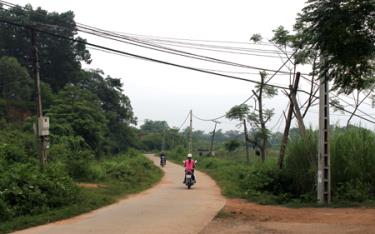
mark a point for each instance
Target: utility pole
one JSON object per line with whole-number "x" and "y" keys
{"x": 213, "y": 138}
{"x": 42, "y": 123}
{"x": 163, "y": 141}
{"x": 191, "y": 132}
{"x": 246, "y": 139}
{"x": 324, "y": 170}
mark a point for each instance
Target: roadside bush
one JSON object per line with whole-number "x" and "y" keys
{"x": 24, "y": 190}
{"x": 129, "y": 170}
{"x": 78, "y": 165}
{"x": 266, "y": 183}
{"x": 13, "y": 153}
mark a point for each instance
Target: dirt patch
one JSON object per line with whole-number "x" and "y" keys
{"x": 89, "y": 185}
{"x": 239, "y": 216}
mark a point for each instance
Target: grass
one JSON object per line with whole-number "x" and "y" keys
{"x": 91, "y": 199}
{"x": 230, "y": 175}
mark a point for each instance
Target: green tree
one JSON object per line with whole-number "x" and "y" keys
{"x": 343, "y": 31}
{"x": 15, "y": 82}
{"x": 154, "y": 126}
{"x": 80, "y": 109}
{"x": 61, "y": 59}
{"x": 116, "y": 105}
{"x": 241, "y": 113}
{"x": 260, "y": 116}
{"x": 231, "y": 145}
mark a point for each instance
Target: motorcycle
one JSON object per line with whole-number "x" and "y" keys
{"x": 163, "y": 161}
{"x": 189, "y": 179}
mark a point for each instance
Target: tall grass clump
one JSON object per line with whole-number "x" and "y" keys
{"x": 301, "y": 165}
{"x": 353, "y": 164}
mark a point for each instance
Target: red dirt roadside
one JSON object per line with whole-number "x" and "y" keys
{"x": 239, "y": 216}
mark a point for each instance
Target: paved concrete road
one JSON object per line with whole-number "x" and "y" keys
{"x": 169, "y": 207}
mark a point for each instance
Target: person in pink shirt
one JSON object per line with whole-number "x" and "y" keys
{"x": 189, "y": 165}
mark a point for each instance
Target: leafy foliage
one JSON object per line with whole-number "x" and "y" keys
{"x": 256, "y": 38}
{"x": 353, "y": 164}
{"x": 15, "y": 82}
{"x": 81, "y": 110}
{"x": 24, "y": 189}
{"x": 238, "y": 112}
{"x": 61, "y": 58}
{"x": 343, "y": 32}
{"x": 232, "y": 145}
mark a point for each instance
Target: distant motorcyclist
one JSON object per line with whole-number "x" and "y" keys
{"x": 189, "y": 165}
{"x": 163, "y": 158}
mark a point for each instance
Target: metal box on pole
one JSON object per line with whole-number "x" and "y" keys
{"x": 43, "y": 126}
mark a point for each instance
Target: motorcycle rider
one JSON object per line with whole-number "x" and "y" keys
{"x": 163, "y": 157}
{"x": 189, "y": 165}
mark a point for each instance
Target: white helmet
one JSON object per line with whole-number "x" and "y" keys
{"x": 189, "y": 156}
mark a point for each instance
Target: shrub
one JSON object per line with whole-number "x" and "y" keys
{"x": 24, "y": 190}
{"x": 78, "y": 164}
{"x": 12, "y": 153}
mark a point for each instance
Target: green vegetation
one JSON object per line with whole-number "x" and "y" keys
{"x": 91, "y": 134}
{"x": 29, "y": 197}
{"x": 353, "y": 160}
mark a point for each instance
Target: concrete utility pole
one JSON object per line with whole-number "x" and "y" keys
{"x": 246, "y": 139}
{"x": 213, "y": 138}
{"x": 324, "y": 170}
{"x": 163, "y": 141}
{"x": 42, "y": 123}
{"x": 191, "y": 132}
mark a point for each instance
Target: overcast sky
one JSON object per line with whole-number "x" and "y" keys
{"x": 161, "y": 92}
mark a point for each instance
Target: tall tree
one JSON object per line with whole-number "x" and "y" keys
{"x": 116, "y": 105}
{"x": 61, "y": 59}
{"x": 343, "y": 32}
{"x": 15, "y": 82}
{"x": 261, "y": 116}
{"x": 241, "y": 113}
{"x": 80, "y": 109}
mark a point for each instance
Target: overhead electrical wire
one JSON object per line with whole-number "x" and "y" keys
{"x": 163, "y": 62}
{"x": 136, "y": 42}
{"x": 251, "y": 96}
{"x": 140, "y": 56}
{"x": 213, "y": 46}
{"x": 221, "y": 50}
{"x": 183, "y": 123}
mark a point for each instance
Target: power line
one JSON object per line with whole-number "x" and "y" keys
{"x": 251, "y": 96}
{"x": 183, "y": 123}
{"x": 164, "y": 49}
{"x": 217, "y": 46}
{"x": 136, "y": 42}
{"x": 222, "y": 51}
{"x": 144, "y": 57}
{"x": 155, "y": 60}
